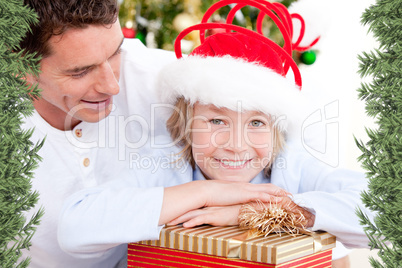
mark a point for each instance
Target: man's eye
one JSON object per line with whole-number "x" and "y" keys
{"x": 256, "y": 123}
{"x": 216, "y": 121}
{"x": 79, "y": 75}
{"x": 117, "y": 52}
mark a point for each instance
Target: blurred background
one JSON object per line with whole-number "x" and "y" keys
{"x": 329, "y": 70}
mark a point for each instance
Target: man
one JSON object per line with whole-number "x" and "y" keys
{"x": 95, "y": 113}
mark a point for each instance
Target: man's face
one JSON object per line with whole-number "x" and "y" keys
{"x": 229, "y": 145}
{"x": 80, "y": 77}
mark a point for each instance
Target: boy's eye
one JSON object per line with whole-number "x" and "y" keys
{"x": 216, "y": 121}
{"x": 256, "y": 123}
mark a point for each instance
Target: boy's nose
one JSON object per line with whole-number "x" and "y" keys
{"x": 237, "y": 142}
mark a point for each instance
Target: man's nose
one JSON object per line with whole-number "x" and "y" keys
{"x": 108, "y": 82}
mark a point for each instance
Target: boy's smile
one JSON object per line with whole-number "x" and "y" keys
{"x": 233, "y": 164}
{"x": 230, "y": 145}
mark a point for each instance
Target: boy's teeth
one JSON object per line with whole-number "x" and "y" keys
{"x": 233, "y": 163}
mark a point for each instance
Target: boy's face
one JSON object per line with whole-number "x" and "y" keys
{"x": 229, "y": 145}
{"x": 80, "y": 77}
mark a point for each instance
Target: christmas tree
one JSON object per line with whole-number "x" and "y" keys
{"x": 382, "y": 154}
{"x": 158, "y": 22}
{"x": 18, "y": 156}
{"x": 152, "y": 18}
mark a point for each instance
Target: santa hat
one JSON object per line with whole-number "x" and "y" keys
{"x": 241, "y": 69}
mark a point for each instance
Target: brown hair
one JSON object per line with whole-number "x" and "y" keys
{"x": 179, "y": 127}
{"x": 57, "y": 16}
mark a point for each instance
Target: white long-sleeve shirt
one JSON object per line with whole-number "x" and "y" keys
{"x": 107, "y": 171}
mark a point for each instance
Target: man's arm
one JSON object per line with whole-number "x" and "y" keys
{"x": 98, "y": 219}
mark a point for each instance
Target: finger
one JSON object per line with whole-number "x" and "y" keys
{"x": 216, "y": 217}
{"x": 186, "y": 217}
{"x": 173, "y": 222}
{"x": 200, "y": 220}
{"x": 264, "y": 197}
{"x": 271, "y": 189}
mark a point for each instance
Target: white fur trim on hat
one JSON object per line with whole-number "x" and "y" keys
{"x": 230, "y": 83}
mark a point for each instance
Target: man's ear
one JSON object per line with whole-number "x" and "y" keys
{"x": 31, "y": 79}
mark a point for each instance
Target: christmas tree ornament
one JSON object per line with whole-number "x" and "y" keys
{"x": 128, "y": 29}
{"x": 128, "y": 32}
{"x": 141, "y": 36}
{"x": 190, "y": 16}
{"x": 127, "y": 14}
{"x": 181, "y": 22}
{"x": 184, "y": 20}
{"x": 308, "y": 57}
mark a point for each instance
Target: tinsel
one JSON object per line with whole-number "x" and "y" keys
{"x": 264, "y": 219}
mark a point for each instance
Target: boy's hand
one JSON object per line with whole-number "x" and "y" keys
{"x": 289, "y": 205}
{"x": 216, "y": 216}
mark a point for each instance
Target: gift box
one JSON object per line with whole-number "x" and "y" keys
{"x": 208, "y": 246}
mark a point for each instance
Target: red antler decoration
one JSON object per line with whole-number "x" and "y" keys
{"x": 276, "y": 11}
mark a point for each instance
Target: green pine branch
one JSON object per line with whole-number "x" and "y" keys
{"x": 382, "y": 155}
{"x": 18, "y": 155}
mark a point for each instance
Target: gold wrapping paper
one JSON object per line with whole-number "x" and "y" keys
{"x": 235, "y": 242}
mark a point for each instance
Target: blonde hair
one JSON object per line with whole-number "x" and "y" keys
{"x": 179, "y": 127}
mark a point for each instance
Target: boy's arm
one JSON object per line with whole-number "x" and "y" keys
{"x": 228, "y": 215}
{"x": 181, "y": 199}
